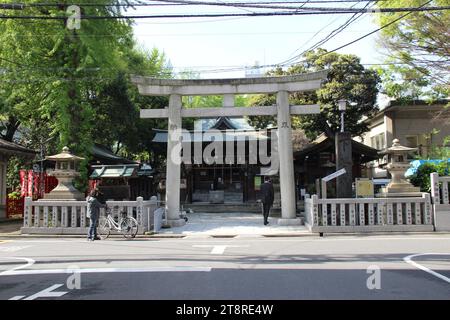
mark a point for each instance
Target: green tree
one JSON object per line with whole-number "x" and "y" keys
{"x": 74, "y": 84}
{"x": 54, "y": 70}
{"x": 422, "y": 176}
{"x": 347, "y": 79}
{"x": 419, "y": 50}
{"x": 118, "y": 102}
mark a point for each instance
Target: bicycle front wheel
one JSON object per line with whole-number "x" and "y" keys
{"x": 104, "y": 229}
{"x": 129, "y": 227}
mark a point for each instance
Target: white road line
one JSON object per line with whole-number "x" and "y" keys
{"x": 107, "y": 270}
{"x": 17, "y": 298}
{"x": 409, "y": 260}
{"x": 29, "y": 261}
{"x": 12, "y": 248}
{"x": 48, "y": 293}
{"x": 216, "y": 249}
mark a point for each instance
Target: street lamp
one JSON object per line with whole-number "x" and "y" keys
{"x": 342, "y": 106}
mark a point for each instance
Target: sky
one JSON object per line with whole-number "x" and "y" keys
{"x": 210, "y": 45}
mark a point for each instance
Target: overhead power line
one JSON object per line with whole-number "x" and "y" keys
{"x": 372, "y": 32}
{"x": 156, "y": 3}
{"x": 303, "y": 11}
{"x": 331, "y": 35}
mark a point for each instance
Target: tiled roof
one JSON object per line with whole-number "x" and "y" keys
{"x": 14, "y": 148}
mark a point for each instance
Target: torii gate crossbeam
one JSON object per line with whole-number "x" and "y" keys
{"x": 282, "y": 86}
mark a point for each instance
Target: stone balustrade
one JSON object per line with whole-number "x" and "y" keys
{"x": 69, "y": 217}
{"x": 441, "y": 201}
{"x": 369, "y": 214}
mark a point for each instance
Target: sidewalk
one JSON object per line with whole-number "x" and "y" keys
{"x": 199, "y": 225}
{"x": 232, "y": 224}
{"x": 10, "y": 227}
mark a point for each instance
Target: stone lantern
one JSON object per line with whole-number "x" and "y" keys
{"x": 397, "y": 166}
{"x": 65, "y": 171}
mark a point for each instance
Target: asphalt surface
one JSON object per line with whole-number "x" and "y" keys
{"x": 246, "y": 267}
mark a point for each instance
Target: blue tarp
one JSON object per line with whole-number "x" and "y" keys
{"x": 414, "y": 166}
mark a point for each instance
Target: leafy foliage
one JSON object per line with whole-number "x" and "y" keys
{"x": 73, "y": 85}
{"x": 422, "y": 176}
{"x": 418, "y": 49}
{"x": 347, "y": 79}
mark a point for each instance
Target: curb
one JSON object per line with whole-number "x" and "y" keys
{"x": 169, "y": 236}
{"x": 230, "y": 236}
{"x": 290, "y": 235}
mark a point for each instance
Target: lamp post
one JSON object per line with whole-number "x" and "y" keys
{"x": 342, "y": 107}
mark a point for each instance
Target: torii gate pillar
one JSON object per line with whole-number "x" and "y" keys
{"x": 173, "y": 168}
{"x": 287, "y": 184}
{"x": 175, "y": 89}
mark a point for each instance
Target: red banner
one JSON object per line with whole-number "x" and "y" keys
{"x": 93, "y": 184}
{"x": 23, "y": 182}
{"x": 50, "y": 183}
{"x": 30, "y": 184}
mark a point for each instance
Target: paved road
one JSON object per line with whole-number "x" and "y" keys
{"x": 338, "y": 267}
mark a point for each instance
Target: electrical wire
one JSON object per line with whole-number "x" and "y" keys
{"x": 324, "y": 40}
{"x": 316, "y": 11}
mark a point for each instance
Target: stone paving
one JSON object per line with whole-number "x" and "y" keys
{"x": 204, "y": 224}
{"x": 232, "y": 224}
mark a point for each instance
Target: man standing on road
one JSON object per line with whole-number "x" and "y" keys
{"x": 93, "y": 213}
{"x": 267, "y": 195}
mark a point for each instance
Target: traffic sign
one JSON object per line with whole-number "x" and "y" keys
{"x": 334, "y": 175}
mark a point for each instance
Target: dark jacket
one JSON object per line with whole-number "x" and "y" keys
{"x": 267, "y": 193}
{"x": 93, "y": 207}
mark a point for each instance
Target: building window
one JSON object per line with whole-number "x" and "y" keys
{"x": 378, "y": 141}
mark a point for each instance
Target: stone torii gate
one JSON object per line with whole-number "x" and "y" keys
{"x": 282, "y": 86}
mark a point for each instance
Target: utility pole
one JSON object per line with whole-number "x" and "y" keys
{"x": 41, "y": 171}
{"x": 343, "y": 147}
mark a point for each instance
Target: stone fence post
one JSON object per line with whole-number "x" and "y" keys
{"x": 140, "y": 211}
{"x": 27, "y": 215}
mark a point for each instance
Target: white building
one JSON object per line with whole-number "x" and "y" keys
{"x": 416, "y": 124}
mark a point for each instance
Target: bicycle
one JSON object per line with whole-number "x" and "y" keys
{"x": 128, "y": 226}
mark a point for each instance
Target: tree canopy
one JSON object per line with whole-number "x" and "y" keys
{"x": 347, "y": 79}
{"x": 73, "y": 84}
{"x": 418, "y": 49}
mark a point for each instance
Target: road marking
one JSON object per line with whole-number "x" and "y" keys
{"x": 48, "y": 293}
{"x": 17, "y": 298}
{"x": 29, "y": 261}
{"x": 306, "y": 238}
{"x": 107, "y": 270}
{"x": 216, "y": 249}
{"x": 409, "y": 260}
{"x": 13, "y": 248}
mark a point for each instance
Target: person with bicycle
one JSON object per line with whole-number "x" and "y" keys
{"x": 93, "y": 213}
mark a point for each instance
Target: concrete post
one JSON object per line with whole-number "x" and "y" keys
{"x": 3, "y": 194}
{"x": 140, "y": 211}
{"x": 27, "y": 219}
{"x": 173, "y": 166}
{"x": 434, "y": 182}
{"x": 287, "y": 184}
{"x": 344, "y": 160}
